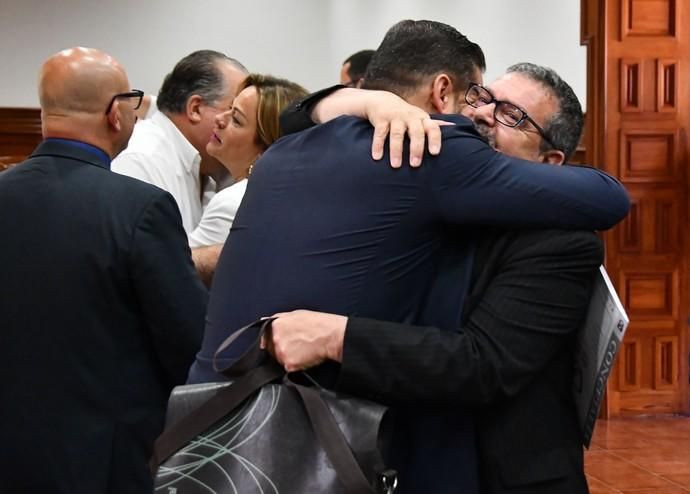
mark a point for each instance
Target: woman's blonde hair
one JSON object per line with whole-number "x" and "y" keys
{"x": 274, "y": 96}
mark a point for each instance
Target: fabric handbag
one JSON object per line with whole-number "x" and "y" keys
{"x": 264, "y": 433}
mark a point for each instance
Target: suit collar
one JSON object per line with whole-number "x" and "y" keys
{"x": 78, "y": 150}
{"x": 455, "y": 118}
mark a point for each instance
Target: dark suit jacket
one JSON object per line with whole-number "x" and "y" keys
{"x": 101, "y": 313}
{"x": 511, "y": 362}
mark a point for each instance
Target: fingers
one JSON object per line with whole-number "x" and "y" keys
{"x": 380, "y": 134}
{"x": 267, "y": 344}
{"x": 421, "y": 131}
{"x": 290, "y": 360}
{"x": 417, "y": 135}
{"x": 432, "y": 130}
{"x": 293, "y": 368}
{"x": 397, "y": 137}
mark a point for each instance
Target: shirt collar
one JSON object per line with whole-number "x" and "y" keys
{"x": 103, "y": 158}
{"x": 190, "y": 156}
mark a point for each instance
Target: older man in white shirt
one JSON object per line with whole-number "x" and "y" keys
{"x": 169, "y": 149}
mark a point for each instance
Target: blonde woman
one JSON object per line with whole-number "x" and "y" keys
{"x": 239, "y": 138}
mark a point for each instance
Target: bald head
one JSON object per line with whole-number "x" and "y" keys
{"x": 80, "y": 80}
{"x": 75, "y": 87}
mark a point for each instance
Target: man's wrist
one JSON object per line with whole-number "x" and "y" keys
{"x": 205, "y": 260}
{"x": 343, "y": 101}
{"x": 334, "y": 349}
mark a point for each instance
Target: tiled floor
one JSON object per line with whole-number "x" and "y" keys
{"x": 640, "y": 455}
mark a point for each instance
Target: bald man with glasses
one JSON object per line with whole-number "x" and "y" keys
{"x": 101, "y": 310}
{"x": 510, "y": 361}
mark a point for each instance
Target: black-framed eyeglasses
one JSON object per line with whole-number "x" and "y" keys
{"x": 505, "y": 113}
{"x": 134, "y": 93}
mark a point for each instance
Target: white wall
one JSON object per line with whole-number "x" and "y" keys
{"x": 303, "y": 40}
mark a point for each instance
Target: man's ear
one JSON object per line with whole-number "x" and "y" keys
{"x": 114, "y": 119}
{"x": 193, "y": 108}
{"x": 442, "y": 94}
{"x": 553, "y": 157}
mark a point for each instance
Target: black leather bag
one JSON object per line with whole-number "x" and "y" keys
{"x": 264, "y": 433}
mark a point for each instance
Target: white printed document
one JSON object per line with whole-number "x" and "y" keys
{"x": 598, "y": 343}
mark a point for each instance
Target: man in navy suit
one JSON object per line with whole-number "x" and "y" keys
{"x": 324, "y": 227}
{"x": 101, "y": 311}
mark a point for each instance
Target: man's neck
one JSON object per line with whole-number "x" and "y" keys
{"x": 209, "y": 166}
{"x": 60, "y": 128}
{"x": 422, "y": 101}
{"x": 182, "y": 123}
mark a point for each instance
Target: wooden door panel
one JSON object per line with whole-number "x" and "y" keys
{"x": 637, "y": 108}
{"x": 653, "y": 227}
{"x": 648, "y": 155}
{"x": 649, "y": 294}
{"x": 666, "y": 85}
{"x": 648, "y": 18}
{"x": 648, "y": 84}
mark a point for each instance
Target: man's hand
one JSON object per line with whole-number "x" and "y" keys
{"x": 390, "y": 115}
{"x": 393, "y": 116}
{"x": 303, "y": 339}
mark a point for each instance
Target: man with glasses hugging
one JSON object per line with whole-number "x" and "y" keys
{"x": 100, "y": 307}
{"x": 511, "y": 360}
{"x": 500, "y": 114}
{"x": 360, "y": 239}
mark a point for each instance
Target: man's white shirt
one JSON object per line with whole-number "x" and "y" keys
{"x": 159, "y": 154}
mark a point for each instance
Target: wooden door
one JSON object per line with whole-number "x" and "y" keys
{"x": 637, "y": 116}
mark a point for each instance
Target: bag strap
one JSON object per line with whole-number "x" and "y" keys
{"x": 331, "y": 438}
{"x": 252, "y": 357}
{"x": 186, "y": 429}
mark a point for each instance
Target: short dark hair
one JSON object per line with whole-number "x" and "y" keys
{"x": 358, "y": 64}
{"x": 412, "y": 51}
{"x": 197, "y": 73}
{"x": 564, "y": 128}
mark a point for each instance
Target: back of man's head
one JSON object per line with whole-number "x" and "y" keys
{"x": 197, "y": 73}
{"x": 564, "y": 128}
{"x": 72, "y": 81}
{"x": 82, "y": 94}
{"x": 357, "y": 64}
{"x": 413, "y": 51}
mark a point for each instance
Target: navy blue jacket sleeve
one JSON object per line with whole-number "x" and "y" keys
{"x": 474, "y": 184}
{"x": 297, "y": 116}
{"x": 172, "y": 297}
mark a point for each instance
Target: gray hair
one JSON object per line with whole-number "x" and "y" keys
{"x": 564, "y": 128}
{"x": 197, "y": 73}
